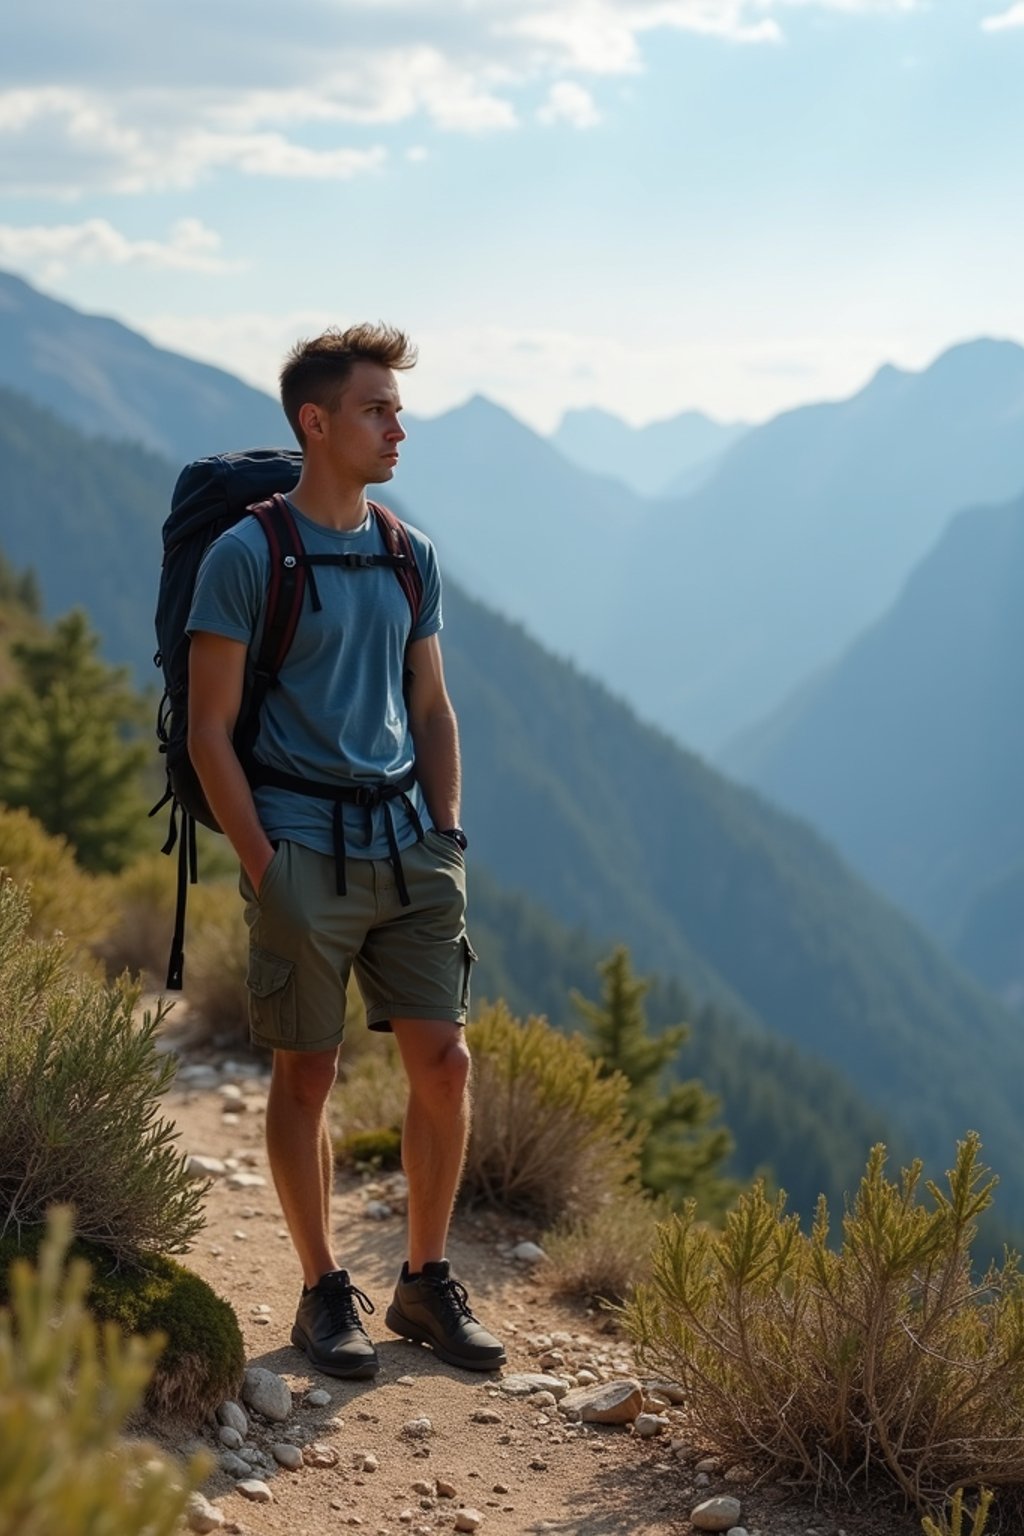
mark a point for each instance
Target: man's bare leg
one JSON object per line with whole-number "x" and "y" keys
{"x": 299, "y": 1149}
{"x": 429, "y": 1305}
{"x": 436, "y": 1129}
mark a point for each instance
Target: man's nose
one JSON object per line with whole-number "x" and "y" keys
{"x": 398, "y": 432}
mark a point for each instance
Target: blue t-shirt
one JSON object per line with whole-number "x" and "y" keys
{"x": 337, "y": 714}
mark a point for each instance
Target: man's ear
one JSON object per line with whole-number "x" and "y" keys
{"x": 311, "y": 419}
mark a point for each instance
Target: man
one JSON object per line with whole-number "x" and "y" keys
{"x": 360, "y": 702}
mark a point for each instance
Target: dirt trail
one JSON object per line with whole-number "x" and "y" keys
{"x": 518, "y": 1465}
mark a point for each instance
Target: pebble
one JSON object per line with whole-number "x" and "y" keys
{"x": 230, "y": 1437}
{"x": 486, "y": 1416}
{"x": 318, "y": 1398}
{"x": 234, "y": 1466}
{"x": 287, "y": 1456}
{"x": 523, "y": 1383}
{"x": 252, "y": 1488}
{"x": 201, "y": 1515}
{"x": 717, "y": 1514}
{"x": 445, "y": 1489}
{"x": 366, "y": 1461}
{"x": 377, "y": 1210}
{"x": 267, "y": 1393}
{"x": 529, "y": 1253}
{"x": 199, "y": 1167}
{"x": 468, "y": 1520}
{"x": 418, "y": 1429}
{"x": 647, "y": 1425}
{"x": 246, "y": 1181}
{"x": 320, "y": 1455}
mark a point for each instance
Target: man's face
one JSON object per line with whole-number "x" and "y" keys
{"x": 362, "y": 433}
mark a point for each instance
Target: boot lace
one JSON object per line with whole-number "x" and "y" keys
{"x": 340, "y": 1297}
{"x": 454, "y": 1297}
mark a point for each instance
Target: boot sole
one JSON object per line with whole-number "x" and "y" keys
{"x": 358, "y": 1372}
{"x": 400, "y": 1324}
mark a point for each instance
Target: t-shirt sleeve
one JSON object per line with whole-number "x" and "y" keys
{"x": 430, "y": 620}
{"x": 229, "y": 591}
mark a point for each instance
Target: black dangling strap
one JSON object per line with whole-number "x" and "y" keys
{"x": 396, "y": 858}
{"x": 176, "y": 961}
{"x": 338, "y": 827}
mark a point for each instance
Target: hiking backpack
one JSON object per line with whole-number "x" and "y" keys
{"x": 210, "y": 496}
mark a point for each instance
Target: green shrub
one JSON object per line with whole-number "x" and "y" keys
{"x": 203, "y": 1357}
{"x": 80, "y": 1083}
{"x": 379, "y": 1149}
{"x": 550, "y": 1135}
{"x": 954, "y": 1526}
{"x": 67, "y": 1389}
{"x": 885, "y": 1362}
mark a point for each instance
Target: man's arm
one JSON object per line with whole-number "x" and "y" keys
{"x": 435, "y": 732}
{"x": 216, "y": 681}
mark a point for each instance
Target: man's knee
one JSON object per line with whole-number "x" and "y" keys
{"x": 440, "y": 1067}
{"x": 305, "y": 1078}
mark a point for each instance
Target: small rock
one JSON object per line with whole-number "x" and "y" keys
{"x": 521, "y": 1384}
{"x": 718, "y": 1514}
{"x": 418, "y": 1429}
{"x": 468, "y": 1520}
{"x": 612, "y": 1402}
{"x": 708, "y": 1464}
{"x": 202, "y": 1516}
{"x": 486, "y": 1416}
{"x": 318, "y": 1398}
{"x": 529, "y": 1253}
{"x": 320, "y": 1455}
{"x": 647, "y": 1425}
{"x": 230, "y": 1438}
{"x": 287, "y": 1456}
{"x": 199, "y": 1167}
{"x": 230, "y": 1093}
{"x": 445, "y": 1489}
{"x": 365, "y": 1461}
{"x": 542, "y": 1399}
{"x": 234, "y": 1466}
{"x": 670, "y": 1390}
{"x": 246, "y": 1181}
{"x": 267, "y": 1393}
{"x": 423, "y": 1487}
{"x": 377, "y": 1210}
{"x": 406, "y": 1381}
{"x": 739, "y": 1530}
{"x": 252, "y": 1488}
{"x": 587, "y": 1378}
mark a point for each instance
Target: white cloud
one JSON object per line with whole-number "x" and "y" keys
{"x": 1002, "y": 22}
{"x": 49, "y": 250}
{"x": 569, "y": 103}
{"x": 111, "y": 98}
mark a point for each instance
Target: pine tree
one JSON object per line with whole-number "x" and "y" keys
{"x": 682, "y": 1152}
{"x": 68, "y": 748}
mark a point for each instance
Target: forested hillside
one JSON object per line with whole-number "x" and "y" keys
{"x": 614, "y": 829}
{"x": 907, "y": 753}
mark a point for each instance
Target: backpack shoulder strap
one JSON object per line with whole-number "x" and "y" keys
{"x": 398, "y": 543}
{"x": 286, "y": 587}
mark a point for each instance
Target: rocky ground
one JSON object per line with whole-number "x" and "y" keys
{"x": 425, "y": 1447}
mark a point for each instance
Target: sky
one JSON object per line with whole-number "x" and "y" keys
{"x": 644, "y": 205}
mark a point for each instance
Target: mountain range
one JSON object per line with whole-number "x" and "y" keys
{"x": 708, "y": 610}
{"x": 664, "y": 458}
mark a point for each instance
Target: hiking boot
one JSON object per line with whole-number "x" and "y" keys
{"x": 328, "y": 1327}
{"x": 433, "y": 1308}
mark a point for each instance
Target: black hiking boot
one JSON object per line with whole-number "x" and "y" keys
{"x": 328, "y": 1327}
{"x": 433, "y": 1308}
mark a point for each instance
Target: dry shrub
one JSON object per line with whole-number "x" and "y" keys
{"x": 138, "y": 937}
{"x": 67, "y": 1390}
{"x": 369, "y": 1098}
{"x": 604, "y": 1255}
{"x": 550, "y": 1135}
{"x": 80, "y": 1086}
{"x": 64, "y": 898}
{"x": 884, "y": 1365}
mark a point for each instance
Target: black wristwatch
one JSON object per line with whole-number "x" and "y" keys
{"x": 456, "y": 834}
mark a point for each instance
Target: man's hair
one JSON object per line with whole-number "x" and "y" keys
{"x": 319, "y": 369}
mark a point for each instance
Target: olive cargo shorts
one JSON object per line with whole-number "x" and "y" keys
{"x": 304, "y": 939}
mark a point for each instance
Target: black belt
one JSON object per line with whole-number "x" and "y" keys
{"x": 369, "y": 796}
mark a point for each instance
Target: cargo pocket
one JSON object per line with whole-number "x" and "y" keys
{"x": 271, "y": 983}
{"x": 469, "y": 959}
